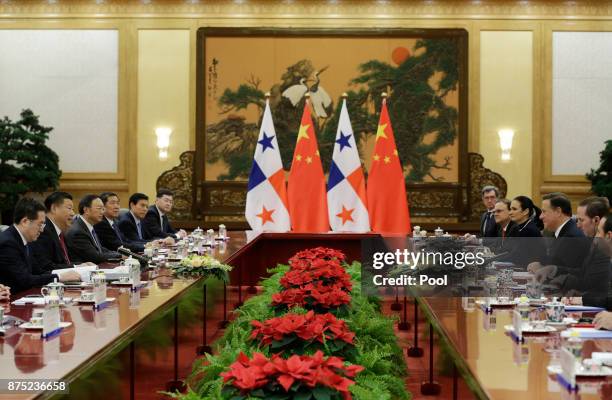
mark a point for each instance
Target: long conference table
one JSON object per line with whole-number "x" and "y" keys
{"x": 495, "y": 365}
{"x": 492, "y": 364}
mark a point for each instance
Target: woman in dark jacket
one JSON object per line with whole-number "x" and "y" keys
{"x": 526, "y": 218}
{"x": 524, "y": 243}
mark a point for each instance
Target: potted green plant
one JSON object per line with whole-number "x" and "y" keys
{"x": 601, "y": 178}
{"x": 26, "y": 163}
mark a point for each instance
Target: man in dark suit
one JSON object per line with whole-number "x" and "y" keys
{"x": 108, "y": 229}
{"x": 131, "y": 224}
{"x": 591, "y": 280}
{"x": 156, "y": 223}
{"x": 50, "y": 250}
{"x": 589, "y": 214}
{"x": 488, "y": 227}
{"x": 83, "y": 242}
{"x": 17, "y": 270}
{"x": 504, "y": 225}
{"x": 568, "y": 246}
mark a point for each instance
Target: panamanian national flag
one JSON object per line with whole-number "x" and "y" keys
{"x": 266, "y": 201}
{"x": 346, "y": 190}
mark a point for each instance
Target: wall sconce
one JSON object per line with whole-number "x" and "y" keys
{"x": 163, "y": 142}
{"x": 505, "y": 143}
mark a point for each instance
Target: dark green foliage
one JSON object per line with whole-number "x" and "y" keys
{"x": 601, "y": 178}
{"x": 26, "y": 163}
{"x": 376, "y": 344}
{"x": 416, "y": 106}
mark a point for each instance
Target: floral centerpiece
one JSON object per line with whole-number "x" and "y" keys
{"x": 318, "y": 280}
{"x": 303, "y": 377}
{"x": 300, "y": 333}
{"x": 202, "y": 265}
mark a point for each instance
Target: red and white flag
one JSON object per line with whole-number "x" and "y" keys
{"x": 266, "y": 201}
{"x": 346, "y": 191}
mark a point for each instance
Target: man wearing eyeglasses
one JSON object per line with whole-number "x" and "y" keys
{"x": 16, "y": 267}
{"x": 83, "y": 242}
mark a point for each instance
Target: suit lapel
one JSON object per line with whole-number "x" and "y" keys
{"x": 21, "y": 247}
{"x": 57, "y": 247}
{"x": 84, "y": 228}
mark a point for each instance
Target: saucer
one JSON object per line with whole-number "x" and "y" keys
{"x": 30, "y": 326}
{"x": 566, "y": 321}
{"x": 81, "y": 301}
{"x": 119, "y": 283}
{"x": 604, "y": 372}
{"x": 531, "y": 329}
{"x": 495, "y": 303}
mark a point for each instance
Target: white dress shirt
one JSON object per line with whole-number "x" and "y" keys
{"x": 558, "y": 231}
{"x": 25, "y": 242}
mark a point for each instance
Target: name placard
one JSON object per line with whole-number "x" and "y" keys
{"x": 99, "y": 291}
{"x": 517, "y": 324}
{"x": 51, "y": 320}
{"x": 568, "y": 367}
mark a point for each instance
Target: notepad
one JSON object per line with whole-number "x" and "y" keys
{"x": 36, "y": 301}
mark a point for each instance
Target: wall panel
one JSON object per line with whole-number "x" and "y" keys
{"x": 69, "y": 78}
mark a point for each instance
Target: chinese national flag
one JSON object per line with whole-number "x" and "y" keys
{"x": 386, "y": 187}
{"x": 306, "y": 190}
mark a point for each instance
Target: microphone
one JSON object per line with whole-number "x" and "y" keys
{"x": 143, "y": 260}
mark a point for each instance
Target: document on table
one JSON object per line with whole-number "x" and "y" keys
{"x": 83, "y": 270}
{"x": 35, "y": 301}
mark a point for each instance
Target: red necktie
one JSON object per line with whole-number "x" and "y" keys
{"x": 64, "y": 250}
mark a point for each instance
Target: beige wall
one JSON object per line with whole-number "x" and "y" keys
{"x": 163, "y": 100}
{"x": 510, "y": 60}
{"x": 506, "y": 81}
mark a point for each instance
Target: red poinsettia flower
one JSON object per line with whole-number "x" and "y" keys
{"x": 311, "y": 371}
{"x": 292, "y": 369}
{"x": 309, "y": 327}
{"x": 247, "y": 374}
{"x": 317, "y": 253}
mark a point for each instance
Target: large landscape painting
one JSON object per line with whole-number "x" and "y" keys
{"x": 423, "y": 72}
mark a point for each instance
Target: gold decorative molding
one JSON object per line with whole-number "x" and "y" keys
{"x": 180, "y": 180}
{"x": 421, "y": 9}
{"x": 481, "y": 176}
{"x": 431, "y": 199}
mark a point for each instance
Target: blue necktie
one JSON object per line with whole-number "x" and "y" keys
{"x": 138, "y": 229}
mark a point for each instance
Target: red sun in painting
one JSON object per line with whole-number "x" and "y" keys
{"x": 399, "y": 55}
